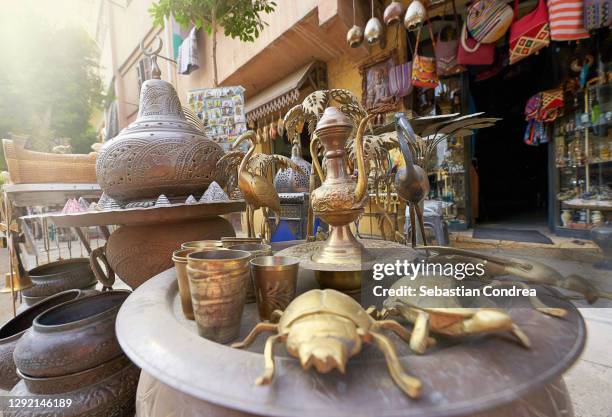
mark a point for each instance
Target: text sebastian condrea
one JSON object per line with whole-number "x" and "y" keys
{"x": 435, "y": 291}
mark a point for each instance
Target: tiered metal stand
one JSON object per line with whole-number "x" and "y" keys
{"x": 143, "y": 244}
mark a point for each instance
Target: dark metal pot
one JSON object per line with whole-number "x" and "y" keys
{"x": 72, "y": 382}
{"x": 602, "y": 236}
{"x": 59, "y": 276}
{"x": 71, "y": 337}
{"x": 14, "y": 329}
{"x": 113, "y": 396}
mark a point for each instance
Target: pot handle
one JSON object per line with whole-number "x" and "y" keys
{"x": 107, "y": 279}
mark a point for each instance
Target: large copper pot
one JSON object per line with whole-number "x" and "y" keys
{"x": 160, "y": 153}
{"x": 137, "y": 253}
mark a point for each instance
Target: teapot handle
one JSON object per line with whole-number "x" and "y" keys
{"x": 107, "y": 279}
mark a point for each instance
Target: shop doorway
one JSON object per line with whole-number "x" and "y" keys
{"x": 512, "y": 176}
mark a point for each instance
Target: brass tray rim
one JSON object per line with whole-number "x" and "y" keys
{"x": 153, "y": 302}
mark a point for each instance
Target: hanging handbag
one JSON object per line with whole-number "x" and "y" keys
{"x": 489, "y": 20}
{"x": 400, "y": 80}
{"x": 597, "y": 14}
{"x": 566, "y": 19}
{"x": 424, "y": 72}
{"x": 446, "y": 52}
{"x": 471, "y": 52}
{"x": 530, "y": 33}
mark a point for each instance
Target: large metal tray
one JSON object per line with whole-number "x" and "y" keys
{"x": 459, "y": 378}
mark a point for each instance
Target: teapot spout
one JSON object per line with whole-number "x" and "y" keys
{"x": 362, "y": 178}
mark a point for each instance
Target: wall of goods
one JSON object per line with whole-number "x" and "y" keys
{"x": 222, "y": 110}
{"x": 449, "y": 46}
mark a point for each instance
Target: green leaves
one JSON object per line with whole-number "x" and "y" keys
{"x": 240, "y": 19}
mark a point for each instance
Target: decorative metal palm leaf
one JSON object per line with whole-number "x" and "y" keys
{"x": 313, "y": 106}
{"x": 430, "y": 131}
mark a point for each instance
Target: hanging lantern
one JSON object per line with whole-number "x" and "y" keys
{"x": 393, "y": 13}
{"x": 159, "y": 153}
{"x": 415, "y": 15}
{"x": 354, "y": 37}
{"x": 374, "y": 29}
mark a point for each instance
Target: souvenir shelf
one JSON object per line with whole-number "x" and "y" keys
{"x": 583, "y": 161}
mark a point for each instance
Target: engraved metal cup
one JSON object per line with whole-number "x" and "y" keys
{"x": 202, "y": 244}
{"x": 256, "y": 250}
{"x": 180, "y": 264}
{"x": 217, "y": 280}
{"x": 275, "y": 280}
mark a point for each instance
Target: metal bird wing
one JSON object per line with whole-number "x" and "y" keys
{"x": 193, "y": 119}
{"x": 229, "y": 162}
{"x": 261, "y": 163}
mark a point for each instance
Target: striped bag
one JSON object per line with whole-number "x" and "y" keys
{"x": 488, "y": 20}
{"x": 566, "y": 20}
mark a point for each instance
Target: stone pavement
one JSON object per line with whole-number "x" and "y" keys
{"x": 589, "y": 381}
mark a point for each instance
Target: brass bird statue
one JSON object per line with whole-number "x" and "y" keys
{"x": 253, "y": 180}
{"x": 411, "y": 181}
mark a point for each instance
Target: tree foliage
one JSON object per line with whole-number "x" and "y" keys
{"x": 49, "y": 83}
{"x": 240, "y": 19}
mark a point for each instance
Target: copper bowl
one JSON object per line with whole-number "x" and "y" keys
{"x": 71, "y": 337}
{"x": 14, "y": 329}
{"x": 60, "y": 276}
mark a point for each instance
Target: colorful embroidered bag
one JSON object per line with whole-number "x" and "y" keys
{"x": 400, "y": 80}
{"x": 566, "y": 19}
{"x": 530, "y": 33}
{"x": 424, "y": 72}
{"x": 471, "y": 52}
{"x": 489, "y": 20}
{"x": 597, "y": 14}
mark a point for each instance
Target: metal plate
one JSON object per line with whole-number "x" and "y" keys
{"x": 148, "y": 215}
{"x": 458, "y": 378}
{"x": 381, "y": 251}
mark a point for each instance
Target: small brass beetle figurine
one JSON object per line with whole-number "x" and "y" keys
{"x": 452, "y": 320}
{"x": 324, "y": 328}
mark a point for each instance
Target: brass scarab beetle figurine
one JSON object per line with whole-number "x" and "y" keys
{"x": 324, "y": 328}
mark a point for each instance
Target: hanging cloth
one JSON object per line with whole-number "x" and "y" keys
{"x": 188, "y": 57}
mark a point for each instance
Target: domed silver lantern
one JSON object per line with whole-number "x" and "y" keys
{"x": 354, "y": 36}
{"x": 393, "y": 13}
{"x": 290, "y": 181}
{"x": 415, "y": 15}
{"x": 161, "y": 152}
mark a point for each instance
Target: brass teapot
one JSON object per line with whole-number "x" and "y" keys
{"x": 340, "y": 199}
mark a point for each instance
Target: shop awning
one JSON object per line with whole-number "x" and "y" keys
{"x": 282, "y": 93}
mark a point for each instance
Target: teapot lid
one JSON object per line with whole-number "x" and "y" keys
{"x": 333, "y": 117}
